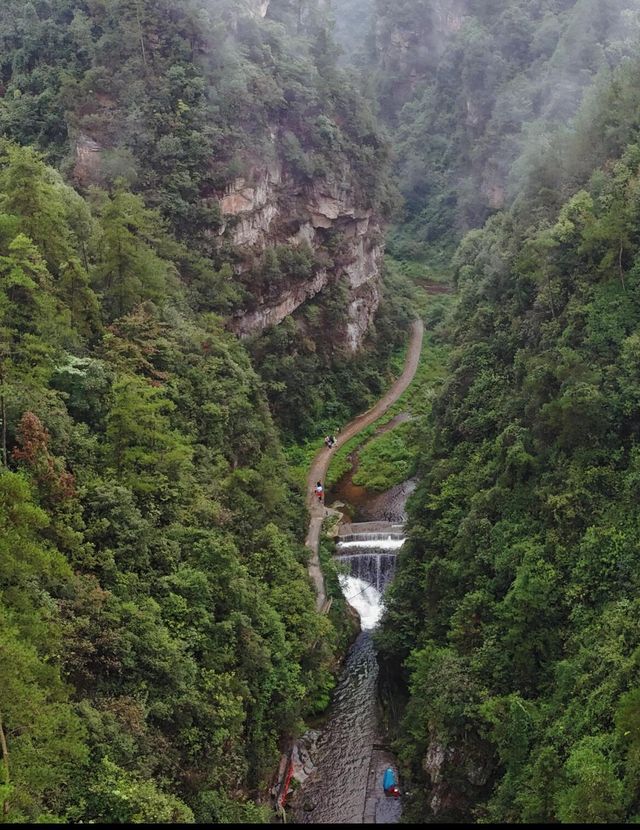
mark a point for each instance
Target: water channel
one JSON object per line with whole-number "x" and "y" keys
{"x": 345, "y": 786}
{"x": 338, "y": 771}
{"x": 346, "y": 760}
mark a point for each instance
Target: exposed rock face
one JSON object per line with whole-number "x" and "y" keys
{"x": 409, "y": 52}
{"x": 270, "y": 315}
{"x": 273, "y": 205}
{"x": 361, "y": 311}
{"x": 253, "y": 206}
{"x": 88, "y": 162}
{"x": 270, "y": 207}
{"x": 454, "y": 776}
{"x": 257, "y": 8}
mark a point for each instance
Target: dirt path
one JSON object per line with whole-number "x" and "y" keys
{"x": 320, "y": 465}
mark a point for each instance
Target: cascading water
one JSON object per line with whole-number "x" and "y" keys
{"x": 345, "y": 785}
{"x": 371, "y": 568}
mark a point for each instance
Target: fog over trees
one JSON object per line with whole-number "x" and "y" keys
{"x": 513, "y": 619}
{"x": 159, "y": 639}
{"x": 473, "y": 92}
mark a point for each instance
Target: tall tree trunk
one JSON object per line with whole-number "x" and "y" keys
{"x": 624, "y": 287}
{"x": 3, "y": 416}
{"x": 5, "y": 765}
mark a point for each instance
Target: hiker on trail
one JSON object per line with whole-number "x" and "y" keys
{"x": 332, "y": 440}
{"x": 327, "y": 441}
{"x": 319, "y": 490}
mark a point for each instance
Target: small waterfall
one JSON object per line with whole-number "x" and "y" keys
{"x": 372, "y": 543}
{"x": 376, "y": 569}
{"x": 371, "y": 568}
{"x": 345, "y": 784}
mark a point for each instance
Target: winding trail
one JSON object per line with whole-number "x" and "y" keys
{"x": 320, "y": 464}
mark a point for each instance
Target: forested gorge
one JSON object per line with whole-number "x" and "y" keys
{"x": 515, "y": 609}
{"x": 159, "y": 643}
{"x": 158, "y": 630}
{"x": 475, "y": 90}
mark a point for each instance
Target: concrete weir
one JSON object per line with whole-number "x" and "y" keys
{"x": 346, "y": 760}
{"x": 338, "y": 769}
{"x": 370, "y": 530}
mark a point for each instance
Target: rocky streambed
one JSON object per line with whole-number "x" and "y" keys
{"x": 339, "y": 768}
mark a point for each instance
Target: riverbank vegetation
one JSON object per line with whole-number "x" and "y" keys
{"x": 387, "y": 459}
{"x": 514, "y": 612}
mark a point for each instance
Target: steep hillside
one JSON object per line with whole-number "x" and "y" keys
{"x": 199, "y": 170}
{"x": 473, "y": 92}
{"x": 229, "y": 118}
{"x": 515, "y": 611}
{"x": 157, "y": 625}
{"x": 353, "y": 28}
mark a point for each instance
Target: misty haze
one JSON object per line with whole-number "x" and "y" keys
{"x": 319, "y": 411}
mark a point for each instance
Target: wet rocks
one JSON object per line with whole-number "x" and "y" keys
{"x": 302, "y": 755}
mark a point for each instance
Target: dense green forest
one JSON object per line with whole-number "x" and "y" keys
{"x": 473, "y": 91}
{"x": 159, "y": 643}
{"x": 158, "y": 632}
{"x": 158, "y": 629}
{"x": 184, "y": 98}
{"x": 514, "y": 615}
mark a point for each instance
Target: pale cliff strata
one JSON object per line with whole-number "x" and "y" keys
{"x": 269, "y": 207}
{"x": 360, "y": 312}
{"x": 253, "y": 206}
{"x": 270, "y": 315}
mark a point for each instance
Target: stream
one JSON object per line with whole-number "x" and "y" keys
{"x": 341, "y": 767}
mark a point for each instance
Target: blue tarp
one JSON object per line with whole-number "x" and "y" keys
{"x": 389, "y": 779}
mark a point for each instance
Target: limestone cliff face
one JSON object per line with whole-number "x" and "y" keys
{"x": 271, "y": 207}
{"x": 275, "y": 202}
{"x": 410, "y": 48}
